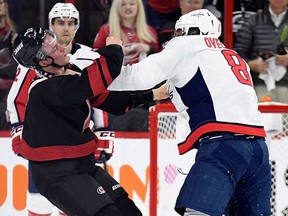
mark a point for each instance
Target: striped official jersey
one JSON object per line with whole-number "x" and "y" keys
{"x": 18, "y": 95}
{"x": 210, "y": 86}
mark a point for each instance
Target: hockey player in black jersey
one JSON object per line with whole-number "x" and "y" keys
{"x": 56, "y": 138}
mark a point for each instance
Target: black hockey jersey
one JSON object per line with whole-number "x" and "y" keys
{"x": 57, "y": 118}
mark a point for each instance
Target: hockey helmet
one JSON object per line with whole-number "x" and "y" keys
{"x": 64, "y": 10}
{"x": 28, "y": 47}
{"x": 202, "y": 19}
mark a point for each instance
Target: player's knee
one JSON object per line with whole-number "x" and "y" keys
{"x": 192, "y": 212}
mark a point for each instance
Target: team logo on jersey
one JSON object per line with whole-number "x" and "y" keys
{"x": 100, "y": 190}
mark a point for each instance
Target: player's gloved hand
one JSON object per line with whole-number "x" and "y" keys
{"x": 16, "y": 134}
{"x": 105, "y": 145}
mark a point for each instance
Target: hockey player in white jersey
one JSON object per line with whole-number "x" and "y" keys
{"x": 211, "y": 87}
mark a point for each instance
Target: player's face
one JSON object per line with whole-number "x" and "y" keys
{"x": 65, "y": 30}
{"x": 54, "y": 50}
{"x": 190, "y": 5}
{"x": 128, "y": 9}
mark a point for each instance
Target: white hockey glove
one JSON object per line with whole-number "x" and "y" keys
{"x": 105, "y": 145}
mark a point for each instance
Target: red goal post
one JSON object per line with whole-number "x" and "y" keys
{"x": 162, "y": 126}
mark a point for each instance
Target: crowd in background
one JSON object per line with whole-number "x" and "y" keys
{"x": 7, "y": 63}
{"x": 145, "y": 26}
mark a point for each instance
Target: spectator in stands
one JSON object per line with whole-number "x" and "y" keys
{"x": 243, "y": 9}
{"x": 161, "y": 12}
{"x": 127, "y": 20}
{"x": 262, "y": 42}
{"x": 186, "y": 6}
{"x": 7, "y": 63}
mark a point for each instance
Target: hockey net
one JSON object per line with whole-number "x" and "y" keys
{"x": 168, "y": 169}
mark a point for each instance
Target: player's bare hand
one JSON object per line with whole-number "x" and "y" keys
{"x": 160, "y": 93}
{"x": 113, "y": 40}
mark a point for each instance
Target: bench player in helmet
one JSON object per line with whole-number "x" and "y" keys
{"x": 64, "y": 21}
{"x": 211, "y": 87}
{"x": 56, "y": 138}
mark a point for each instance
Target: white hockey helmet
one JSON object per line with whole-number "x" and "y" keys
{"x": 64, "y": 10}
{"x": 202, "y": 19}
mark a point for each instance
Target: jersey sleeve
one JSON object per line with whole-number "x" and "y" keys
{"x": 119, "y": 102}
{"x": 18, "y": 95}
{"x": 150, "y": 71}
{"x": 71, "y": 90}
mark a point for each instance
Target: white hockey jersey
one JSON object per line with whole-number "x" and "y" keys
{"x": 210, "y": 86}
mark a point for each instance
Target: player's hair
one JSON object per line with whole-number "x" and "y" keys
{"x": 141, "y": 25}
{"x": 191, "y": 31}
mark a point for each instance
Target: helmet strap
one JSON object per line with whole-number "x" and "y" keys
{"x": 53, "y": 64}
{"x": 48, "y": 74}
